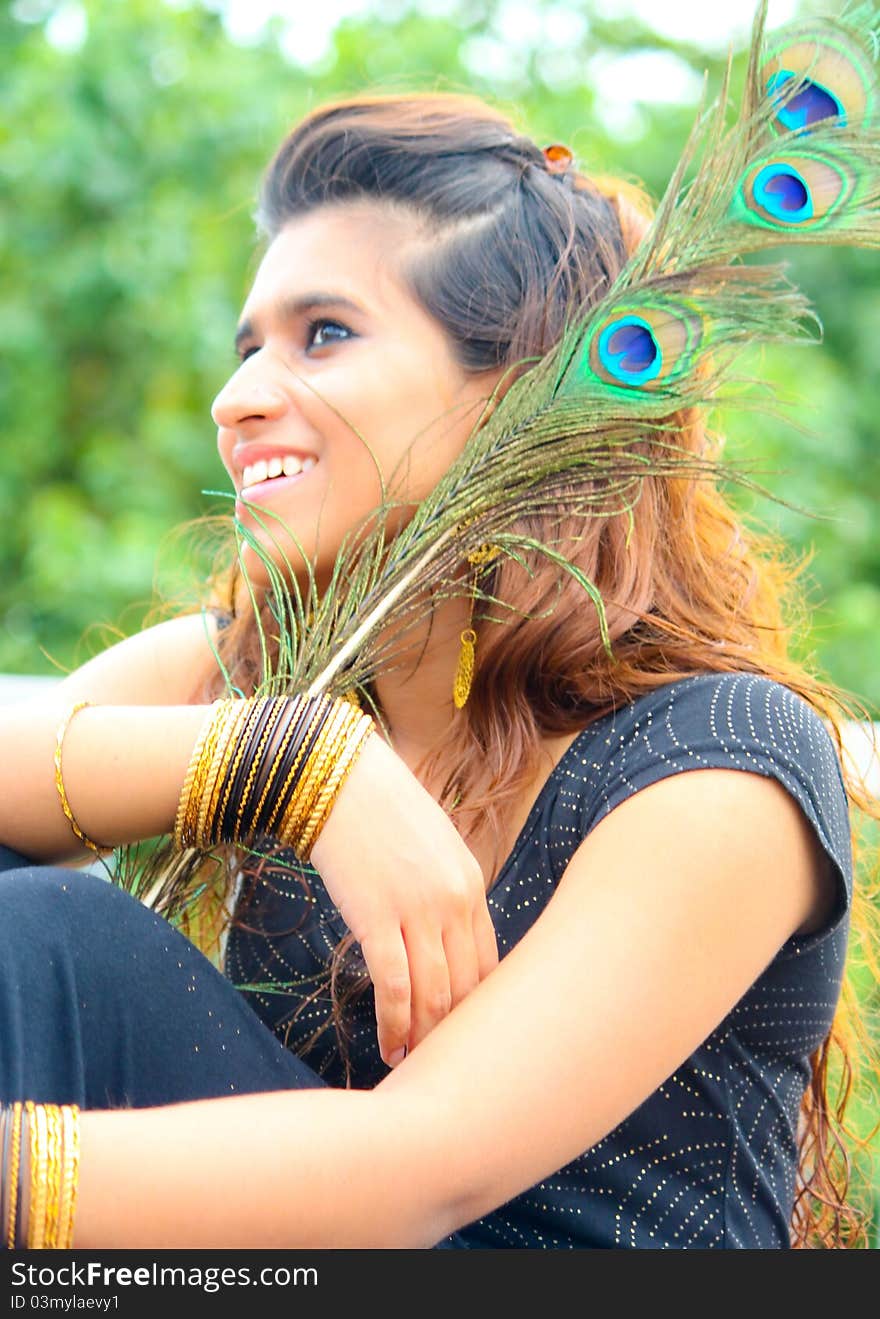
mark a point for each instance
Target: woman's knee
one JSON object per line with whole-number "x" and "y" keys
{"x": 50, "y": 908}
{"x": 48, "y": 894}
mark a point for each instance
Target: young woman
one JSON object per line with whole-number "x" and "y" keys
{"x": 565, "y": 968}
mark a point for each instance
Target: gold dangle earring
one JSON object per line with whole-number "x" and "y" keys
{"x": 464, "y": 672}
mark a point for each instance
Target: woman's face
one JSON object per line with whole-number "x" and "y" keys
{"x": 341, "y": 371}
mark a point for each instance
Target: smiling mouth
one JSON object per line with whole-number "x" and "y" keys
{"x": 262, "y": 473}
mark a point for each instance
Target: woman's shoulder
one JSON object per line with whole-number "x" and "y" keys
{"x": 733, "y": 714}
{"x": 715, "y": 720}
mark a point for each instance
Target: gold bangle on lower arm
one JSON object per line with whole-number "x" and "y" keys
{"x": 67, "y": 1205}
{"x": 303, "y": 829}
{"x": 59, "y": 780}
{"x": 54, "y": 1146}
{"x": 14, "y": 1165}
{"x": 50, "y": 1176}
{"x": 38, "y": 1175}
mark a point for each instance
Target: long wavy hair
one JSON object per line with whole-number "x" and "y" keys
{"x": 688, "y": 589}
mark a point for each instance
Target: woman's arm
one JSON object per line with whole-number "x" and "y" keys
{"x": 668, "y": 911}
{"x": 123, "y": 770}
{"x": 116, "y": 796}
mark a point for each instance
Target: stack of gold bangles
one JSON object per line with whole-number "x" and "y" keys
{"x": 269, "y": 766}
{"x": 39, "y": 1147}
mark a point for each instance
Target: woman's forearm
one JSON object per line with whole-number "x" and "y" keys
{"x": 123, "y": 771}
{"x": 321, "y": 1168}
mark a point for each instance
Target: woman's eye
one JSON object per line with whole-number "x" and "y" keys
{"x": 320, "y": 333}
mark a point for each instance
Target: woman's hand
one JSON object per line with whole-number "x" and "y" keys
{"x": 411, "y": 893}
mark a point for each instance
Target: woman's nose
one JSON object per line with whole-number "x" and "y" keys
{"x": 247, "y": 396}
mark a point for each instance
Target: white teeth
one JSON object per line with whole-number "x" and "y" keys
{"x": 289, "y": 465}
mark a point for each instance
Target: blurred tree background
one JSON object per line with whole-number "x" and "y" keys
{"x": 132, "y": 138}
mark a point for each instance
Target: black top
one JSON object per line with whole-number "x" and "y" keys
{"x": 709, "y": 1159}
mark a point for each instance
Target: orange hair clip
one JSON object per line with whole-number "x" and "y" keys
{"x": 558, "y": 158}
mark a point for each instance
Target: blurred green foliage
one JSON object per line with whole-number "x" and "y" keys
{"x": 129, "y": 163}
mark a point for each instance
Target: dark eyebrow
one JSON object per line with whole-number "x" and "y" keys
{"x": 288, "y": 309}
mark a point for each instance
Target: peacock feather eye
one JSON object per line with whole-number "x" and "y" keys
{"x": 801, "y": 189}
{"x": 643, "y": 346}
{"x": 782, "y": 194}
{"x": 629, "y": 351}
{"x": 817, "y": 75}
{"x": 809, "y": 105}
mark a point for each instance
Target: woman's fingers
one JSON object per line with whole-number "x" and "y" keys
{"x": 461, "y": 959}
{"x": 411, "y": 893}
{"x": 431, "y": 992}
{"x": 485, "y": 940}
{"x": 385, "y": 954}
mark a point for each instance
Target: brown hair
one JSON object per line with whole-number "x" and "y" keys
{"x": 688, "y": 589}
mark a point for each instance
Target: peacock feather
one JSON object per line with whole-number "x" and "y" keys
{"x": 588, "y": 422}
{"x": 823, "y": 71}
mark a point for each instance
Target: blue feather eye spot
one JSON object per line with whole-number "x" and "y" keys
{"x": 647, "y": 345}
{"x": 629, "y": 351}
{"x": 805, "y": 189}
{"x": 819, "y": 77}
{"x": 809, "y": 105}
{"x": 783, "y": 194}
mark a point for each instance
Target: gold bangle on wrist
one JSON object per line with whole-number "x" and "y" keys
{"x": 267, "y": 765}
{"x": 270, "y": 728}
{"x": 184, "y": 825}
{"x": 325, "y": 778}
{"x": 59, "y": 780}
{"x": 331, "y": 789}
{"x": 294, "y": 709}
{"x": 226, "y": 744}
{"x": 326, "y": 774}
{"x": 290, "y": 777}
{"x": 311, "y": 778}
{"x": 206, "y": 769}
